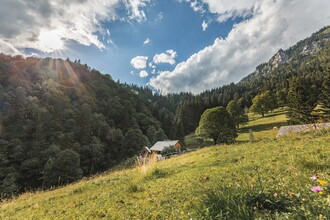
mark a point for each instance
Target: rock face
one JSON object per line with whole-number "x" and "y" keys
{"x": 278, "y": 59}
{"x": 300, "y": 51}
{"x": 284, "y": 130}
{"x": 310, "y": 48}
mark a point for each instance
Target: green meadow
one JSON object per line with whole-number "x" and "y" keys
{"x": 269, "y": 178}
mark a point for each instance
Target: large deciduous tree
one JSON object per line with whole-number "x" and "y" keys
{"x": 263, "y": 103}
{"x": 216, "y": 123}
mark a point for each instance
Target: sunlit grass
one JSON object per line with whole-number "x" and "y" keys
{"x": 263, "y": 127}
{"x": 266, "y": 179}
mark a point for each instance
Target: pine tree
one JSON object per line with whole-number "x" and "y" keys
{"x": 301, "y": 101}
{"x": 325, "y": 98}
{"x": 237, "y": 112}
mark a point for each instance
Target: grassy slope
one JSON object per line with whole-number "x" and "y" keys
{"x": 263, "y": 128}
{"x": 177, "y": 188}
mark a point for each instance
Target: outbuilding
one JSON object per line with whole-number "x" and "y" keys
{"x": 159, "y": 146}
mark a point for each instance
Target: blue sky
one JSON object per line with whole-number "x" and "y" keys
{"x": 169, "y": 25}
{"x": 169, "y": 45}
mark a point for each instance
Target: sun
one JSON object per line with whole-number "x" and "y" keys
{"x": 50, "y": 41}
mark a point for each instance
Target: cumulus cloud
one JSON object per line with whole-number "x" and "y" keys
{"x": 227, "y": 9}
{"x": 143, "y": 74}
{"x": 139, "y": 62}
{"x": 22, "y": 22}
{"x": 271, "y": 25}
{"x": 167, "y": 57}
{"x": 205, "y": 25}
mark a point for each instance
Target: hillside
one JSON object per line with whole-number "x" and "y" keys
{"x": 268, "y": 179}
{"x": 53, "y": 110}
{"x": 309, "y": 58}
{"x": 296, "y": 60}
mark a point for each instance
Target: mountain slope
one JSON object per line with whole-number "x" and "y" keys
{"x": 308, "y": 58}
{"x": 292, "y": 59}
{"x": 53, "y": 109}
{"x": 267, "y": 179}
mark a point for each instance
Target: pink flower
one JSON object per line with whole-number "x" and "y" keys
{"x": 314, "y": 178}
{"x": 317, "y": 189}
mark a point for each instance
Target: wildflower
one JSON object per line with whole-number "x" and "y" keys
{"x": 322, "y": 182}
{"x": 314, "y": 178}
{"x": 317, "y": 189}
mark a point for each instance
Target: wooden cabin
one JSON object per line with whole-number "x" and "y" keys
{"x": 161, "y": 145}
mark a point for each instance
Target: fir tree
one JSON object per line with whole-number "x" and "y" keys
{"x": 301, "y": 101}
{"x": 325, "y": 98}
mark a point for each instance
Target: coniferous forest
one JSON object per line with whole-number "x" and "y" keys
{"x": 60, "y": 120}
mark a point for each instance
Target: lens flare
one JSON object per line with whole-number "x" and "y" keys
{"x": 50, "y": 41}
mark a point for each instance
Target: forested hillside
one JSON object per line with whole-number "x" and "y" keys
{"x": 309, "y": 58}
{"x": 56, "y": 114}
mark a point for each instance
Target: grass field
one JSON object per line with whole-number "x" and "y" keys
{"x": 267, "y": 179}
{"x": 263, "y": 128}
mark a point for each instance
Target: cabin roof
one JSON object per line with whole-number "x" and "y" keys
{"x": 160, "y": 145}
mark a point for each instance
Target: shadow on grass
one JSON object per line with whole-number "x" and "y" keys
{"x": 158, "y": 173}
{"x": 277, "y": 113}
{"x": 262, "y": 127}
{"x": 229, "y": 203}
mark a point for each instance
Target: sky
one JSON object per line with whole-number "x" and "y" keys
{"x": 169, "y": 45}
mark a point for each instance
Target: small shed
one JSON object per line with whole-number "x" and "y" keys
{"x": 161, "y": 145}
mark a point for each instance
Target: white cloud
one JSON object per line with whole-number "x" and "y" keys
{"x": 152, "y": 65}
{"x": 205, "y": 25}
{"x": 143, "y": 74}
{"x": 22, "y": 22}
{"x": 135, "y": 7}
{"x": 167, "y": 57}
{"x": 147, "y": 41}
{"x": 8, "y": 48}
{"x": 272, "y": 25}
{"x": 227, "y": 9}
{"x": 139, "y": 62}
{"x": 196, "y": 6}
